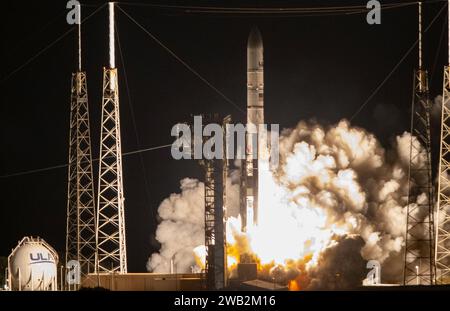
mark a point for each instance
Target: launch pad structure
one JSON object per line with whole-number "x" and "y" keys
{"x": 80, "y": 234}
{"x": 110, "y": 234}
{"x": 96, "y": 236}
{"x": 419, "y": 267}
{"x": 443, "y": 203}
{"x": 216, "y": 171}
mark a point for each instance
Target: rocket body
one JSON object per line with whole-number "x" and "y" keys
{"x": 255, "y": 118}
{"x": 255, "y": 78}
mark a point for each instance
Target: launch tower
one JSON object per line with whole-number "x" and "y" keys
{"x": 443, "y": 204}
{"x": 216, "y": 171}
{"x": 419, "y": 265}
{"x": 80, "y": 234}
{"x": 110, "y": 236}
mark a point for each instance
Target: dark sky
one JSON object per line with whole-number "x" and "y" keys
{"x": 321, "y": 67}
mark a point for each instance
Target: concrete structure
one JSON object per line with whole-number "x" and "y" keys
{"x": 144, "y": 282}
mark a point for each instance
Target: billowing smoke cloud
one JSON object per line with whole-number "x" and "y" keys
{"x": 182, "y": 225}
{"x": 436, "y": 109}
{"x": 340, "y": 172}
{"x": 181, "y": 229}
{"x": 340, "y": 266}
{"x": 359, "y": 185}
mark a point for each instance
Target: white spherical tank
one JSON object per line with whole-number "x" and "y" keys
{"x": 33, "y": 265}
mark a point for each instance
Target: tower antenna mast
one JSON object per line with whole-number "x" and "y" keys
{"x": 110, "y": 236}
{"x": 443, "y": 204}
{"x": 80, "y": 235}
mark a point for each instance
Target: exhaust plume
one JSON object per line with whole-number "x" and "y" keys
{"x": 337, "y": 200}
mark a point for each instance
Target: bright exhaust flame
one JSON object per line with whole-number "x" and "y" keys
{"x": 283, "y": 216}
{"x": 293, "y": 285}
{"x": 200, "y": 256}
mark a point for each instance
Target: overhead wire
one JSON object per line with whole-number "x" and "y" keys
{"x": 35, "y": 32}
{"x": 268, "y": 9}
{"x": 278, "y": 12}
{"x": 287, "y": 11}
{"x": 139, "y": 151}
{"x": 227, "y": 99}
{"x": 333, "y": 9}
{"x": 49, "y": 168}
{"x": 141, "y": 159}
{"x": 31, "y": 59}
{"x": 377, "y": 89}
{"x": 438, "y": 51}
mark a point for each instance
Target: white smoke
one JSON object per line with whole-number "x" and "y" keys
{"x": 182, "y": 225}
{"x": 436, "y": 109}
{"x": 340, "y": 171}
{"x": 181, "y": 229}
{"x": 349, "y": 175}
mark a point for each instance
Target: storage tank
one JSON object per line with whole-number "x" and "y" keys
{"x": 32, "y": 265}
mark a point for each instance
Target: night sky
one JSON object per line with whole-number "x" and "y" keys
{"x": 316, "y": 67}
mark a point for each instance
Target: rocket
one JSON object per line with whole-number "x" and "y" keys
{"x": 255, "y": 78}
{"x": 255, "y": 118}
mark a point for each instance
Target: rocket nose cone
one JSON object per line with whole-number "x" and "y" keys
{"x": 255, "y": 38}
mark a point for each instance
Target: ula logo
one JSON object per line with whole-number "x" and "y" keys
{"x": 41, "y": 257}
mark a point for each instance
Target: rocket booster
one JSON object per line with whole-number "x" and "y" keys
{"x": 255, "y": 78}
{"x": 255, "y": 117}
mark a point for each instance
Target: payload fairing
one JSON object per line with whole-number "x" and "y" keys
{"x": 255, "y": 118}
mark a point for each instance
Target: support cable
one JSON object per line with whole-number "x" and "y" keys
{"x": 182, "y": 62}
{"x": 133, "y": 118}
{"x": 94, "y": 160}
{"x": 378, "y": 88}
{"x": 31, "y": 59}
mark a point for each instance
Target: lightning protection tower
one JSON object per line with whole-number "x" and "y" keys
{"x": 419, "y": 250}
{"x": 443, "y": 205}
{"x": 80, "y": 234}
{"x": 110, "y": 235}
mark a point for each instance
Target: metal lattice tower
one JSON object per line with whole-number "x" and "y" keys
{"x": 110, "y": 235}
{"x": 211, "y": 187}
{"x": 215, "y": 228}
{"x": 443, "y": 213}
{"x": 443, "y": 204}
{"x": 419, "y": 249}
{"x": 80, "y": 235}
